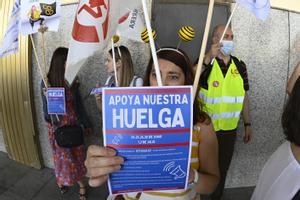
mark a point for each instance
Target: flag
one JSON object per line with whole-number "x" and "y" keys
{"x": 11, "y": 39}
{"x": 260, "y": 8}
{"x": 37, "y": 13}
{"x": 131, "y": 25}
{"x": 95, "y": 23}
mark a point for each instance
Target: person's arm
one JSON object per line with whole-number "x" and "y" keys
{"x": 246, "y": 119}
{"x": 292, "y": 80}
{"x": 100, "y": 162}
{"x": 209, "y": 174}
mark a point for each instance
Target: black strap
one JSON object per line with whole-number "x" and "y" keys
{"x": 239, "y": 65}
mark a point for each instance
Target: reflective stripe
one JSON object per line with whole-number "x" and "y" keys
{"x": 195, "y": 144}
{"x": 224, "y": 99}
{"x": 194, "y": 160}
{"x": 226, "y": 115}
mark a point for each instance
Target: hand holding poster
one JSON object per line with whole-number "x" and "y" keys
{"x": 35, "y": 13}
{"x": 151, "y": 128}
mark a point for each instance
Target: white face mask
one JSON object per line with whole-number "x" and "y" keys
{"x": 227, "y": 47}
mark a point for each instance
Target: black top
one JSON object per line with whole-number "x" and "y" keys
{"x": 241, "y": 67}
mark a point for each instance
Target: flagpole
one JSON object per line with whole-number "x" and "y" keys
{"x": 44, "y": 52}
{"x": 152, "y": 45}
{"x": 226, "y": 27}
{"x": 38, "y": 62}
{"x": 203, "y": 47}
{"x": 114, "y": 62}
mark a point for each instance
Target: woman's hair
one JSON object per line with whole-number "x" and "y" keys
{"x": 179, "y": 58}
{"x": 56, "y": 74}
{"x": 126, "y": 70}
{"x": 291, "y": 116}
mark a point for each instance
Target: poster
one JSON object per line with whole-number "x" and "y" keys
{"x": 151, "y": 128}
{"x": 56, "y": 101}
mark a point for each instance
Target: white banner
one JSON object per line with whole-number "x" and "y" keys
{"x": 132, "y": 25}
{"x": 11, "y": 39}
{"x": 94, "y": 25}
{"x": 34, "y": 13}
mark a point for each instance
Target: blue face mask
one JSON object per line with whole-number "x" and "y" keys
{"x": 227, "y": 47}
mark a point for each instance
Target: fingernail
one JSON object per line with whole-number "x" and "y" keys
{"x": 111, "y": 152}
{"x": 121, "y": 160}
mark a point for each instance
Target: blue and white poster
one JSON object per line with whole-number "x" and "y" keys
{"x": 56, "y": 101}
{"x": 151, "y": 127}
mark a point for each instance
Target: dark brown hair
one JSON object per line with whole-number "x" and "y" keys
{"x": 56, "y": 74}
{"x": 126, "y": 70}
{"x": 291, "y": 116}
{"x": 179, "y": 58}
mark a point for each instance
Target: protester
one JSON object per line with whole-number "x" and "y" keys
{"x": 280, "y": 177}
{"x": 175, "y": 70}
{"x": 125, "y": 72}
{"x": 224, "y": 86}
{"x": 68, "y": 162}
{"x": 295, "y": 75}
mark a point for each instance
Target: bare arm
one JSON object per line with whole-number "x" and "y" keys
{"x": 246, "y": 119}
{"x": 292, "y": 80}
{"x": 209, "y": 174}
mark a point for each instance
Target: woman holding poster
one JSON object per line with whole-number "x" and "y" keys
{"x": 125, "y": 72}
{"x": 175, "y": 70}
{"x": 68, "y": 162}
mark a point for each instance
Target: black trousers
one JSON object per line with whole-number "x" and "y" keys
{"x": 226, "y": 140}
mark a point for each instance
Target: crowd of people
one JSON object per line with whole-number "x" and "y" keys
{"x": 221, "y": 100}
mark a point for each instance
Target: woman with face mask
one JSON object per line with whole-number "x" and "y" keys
{"x": 125, "y": 72}
{"x": 176, "y": 70}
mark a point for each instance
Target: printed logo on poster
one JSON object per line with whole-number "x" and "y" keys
{"x": 146, "y": 126}
{"x": 56, "y": 102}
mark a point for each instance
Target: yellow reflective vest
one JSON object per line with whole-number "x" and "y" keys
{"x": 223, "y": 100}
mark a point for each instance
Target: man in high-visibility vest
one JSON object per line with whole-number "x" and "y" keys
{"x": 224, "y": 86}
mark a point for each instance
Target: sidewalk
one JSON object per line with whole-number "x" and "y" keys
{"x": 18, "y": 182}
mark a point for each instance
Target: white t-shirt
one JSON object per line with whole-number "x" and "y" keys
{"x": 280, "y": 177}
{"x": 136, "y": 81}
